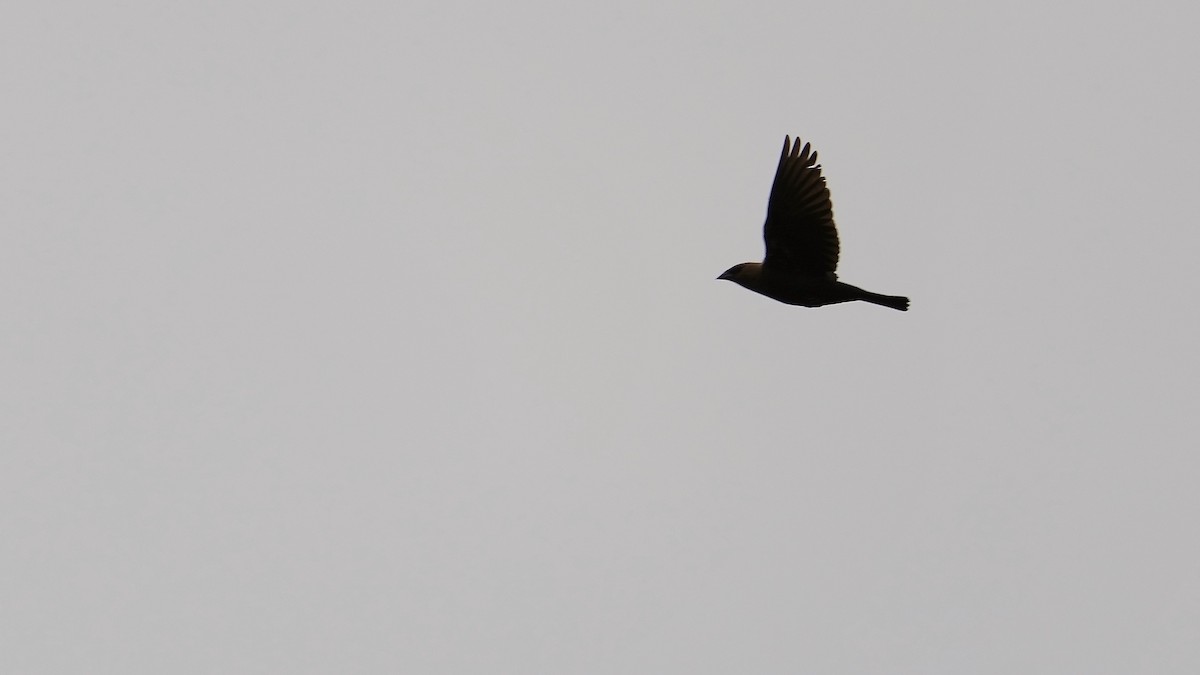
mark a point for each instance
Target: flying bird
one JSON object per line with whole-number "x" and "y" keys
{"x": 802, "y": 242}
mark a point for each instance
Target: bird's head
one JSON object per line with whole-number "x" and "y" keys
{"x": 743, "y": 273}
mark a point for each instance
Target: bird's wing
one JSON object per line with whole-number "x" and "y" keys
{"x": 799, "y": 232}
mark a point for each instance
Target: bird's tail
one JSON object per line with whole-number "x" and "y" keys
{"x": 893, "y": 301}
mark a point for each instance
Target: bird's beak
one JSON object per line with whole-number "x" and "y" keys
{"x": 724, "y": 275}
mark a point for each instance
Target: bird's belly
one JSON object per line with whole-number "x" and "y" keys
{"x": 807, "y": 292}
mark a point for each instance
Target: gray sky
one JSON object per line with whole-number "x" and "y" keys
{"x": 384, "y": 337}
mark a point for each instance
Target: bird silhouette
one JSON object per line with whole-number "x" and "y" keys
{"x": 802, "y": 242}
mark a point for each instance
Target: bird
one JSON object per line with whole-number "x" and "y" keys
{"x": 800, "y": 265}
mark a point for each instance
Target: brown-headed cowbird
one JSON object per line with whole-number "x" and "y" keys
{"x": 802, "y": 241}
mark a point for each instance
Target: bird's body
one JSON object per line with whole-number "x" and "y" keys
{"x": 801, "y": 240}
{"x": 795, "y": 289}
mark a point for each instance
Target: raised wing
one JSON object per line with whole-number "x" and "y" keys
{"x": 799, "y": 232}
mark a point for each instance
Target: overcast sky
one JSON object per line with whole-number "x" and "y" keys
{"x": 378, "y": 337}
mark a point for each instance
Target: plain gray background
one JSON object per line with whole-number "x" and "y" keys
{"x": 384, "y": 337}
